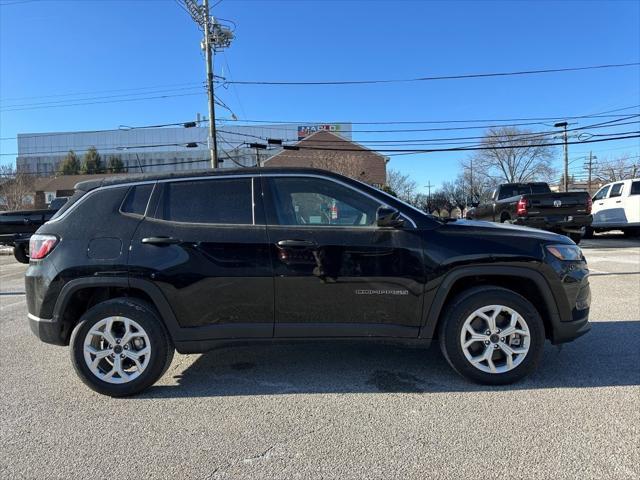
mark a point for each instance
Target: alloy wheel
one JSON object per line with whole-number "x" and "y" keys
{"x": 117, "y": 350}
{"x": 495, "y": 339}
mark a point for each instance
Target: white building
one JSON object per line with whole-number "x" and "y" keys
{"x": 162, "y": 149}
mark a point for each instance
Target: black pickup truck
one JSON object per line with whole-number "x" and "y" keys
{"x": 17, "y": 227}
{"x": 535, "y": 205}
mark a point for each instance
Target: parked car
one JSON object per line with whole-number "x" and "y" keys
{"x": 616, "y": 206}
{"x": 535, "y": 205}
{"x": 132, "y": 268}
{"x": 16, "y": 227}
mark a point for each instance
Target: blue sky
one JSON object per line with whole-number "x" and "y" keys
{"x": 52, "y": 47}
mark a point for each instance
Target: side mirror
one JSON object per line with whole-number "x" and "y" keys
{"x": 388, "y": 217}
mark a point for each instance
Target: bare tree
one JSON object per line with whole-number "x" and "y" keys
{"x": 439, "y": 202}
{"x": 620, "y": 168}
{"x": 337, "y": 162}
{"x": 402, "y": 185}
{"x": 477, "y": 185}
{"x": 513, "y": 155}
{"x": 15, "y": 188}
{"x": 455, "y": 193}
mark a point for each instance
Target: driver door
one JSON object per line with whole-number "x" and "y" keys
{"x": 336, "y": 272}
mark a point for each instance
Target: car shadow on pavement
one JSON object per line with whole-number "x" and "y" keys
{"x": 607, "y": 356}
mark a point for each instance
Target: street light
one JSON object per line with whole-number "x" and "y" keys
{"x": 566, "y": 154}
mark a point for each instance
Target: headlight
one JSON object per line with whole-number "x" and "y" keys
{"x": 565, "y": 252}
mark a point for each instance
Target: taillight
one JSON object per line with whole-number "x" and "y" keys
{"x": 41, "y": 245}
{"x": 589, "y": 204}
{"x": 521, "y": 206}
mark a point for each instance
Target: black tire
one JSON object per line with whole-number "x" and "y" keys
{"x": 588, "y": 233}
{"x": 576, "y": 237}
{"x": 20, "y": 251}
{"x": 146, "y": 316}
{"x": 462, "y": 307}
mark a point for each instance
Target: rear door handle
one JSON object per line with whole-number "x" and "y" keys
{"x": 296, "y": 244}
{"x": 618, "y": 201}
{"x": 161, "y": 240}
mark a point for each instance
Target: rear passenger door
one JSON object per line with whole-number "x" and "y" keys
{"x": 203, "y": 242}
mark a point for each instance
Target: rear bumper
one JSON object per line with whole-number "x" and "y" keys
{"x": 575, "y": 225}
{"x": 46, "y": 329}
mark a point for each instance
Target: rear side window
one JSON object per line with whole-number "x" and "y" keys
{"x": 635, "y": 188}
{"x": 208, "y": 201}
{"x": 137, "y": 199}
{"x": 616, "y": 190}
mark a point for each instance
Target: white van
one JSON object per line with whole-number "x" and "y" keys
{"x": 616, "y": 206}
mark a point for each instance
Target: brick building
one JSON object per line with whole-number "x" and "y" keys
{"x": 326, "y": 150}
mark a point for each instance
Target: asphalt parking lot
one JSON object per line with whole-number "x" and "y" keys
{"x": 335, "y": 411}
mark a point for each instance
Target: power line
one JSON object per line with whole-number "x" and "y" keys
{"x": 417, "y": 122}
{"x": 430, "y": 78}
{"x": 94, "y": 92}
{"x": 461, "y": 149}
{"x": 102, "y": 102}
{"x": 61, "y": 102}
{"x": 381, "y": 144}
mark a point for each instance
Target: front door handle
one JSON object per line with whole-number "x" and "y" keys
{"x": 161, "y": 240}
{"x": 296, "y": 244}
{"x": 618, "y": 201}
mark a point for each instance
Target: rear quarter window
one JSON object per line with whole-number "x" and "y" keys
{"x": 77, "y": 195}
{"x": 137, "y": 199}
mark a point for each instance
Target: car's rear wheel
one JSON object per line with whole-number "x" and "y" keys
{"x": 492, "y": 335}
{"x": 21, "y": 252}
{"x": 576, "y": 237}
{"x": 588, "y": 232}
{"x": 120, "y": 347}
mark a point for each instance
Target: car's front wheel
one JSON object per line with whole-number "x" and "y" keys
{"x": 120, "y": 347}
{"x": 492, "y": 335}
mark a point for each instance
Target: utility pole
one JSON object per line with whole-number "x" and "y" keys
{"x": 215, "y": 37}
{"x": 566, "y": 154}
{"x": 428, "y": 185}
{"x": 208, "y": 53}
{"x": 471, "y": 179}
{"x": 590, "y": 170}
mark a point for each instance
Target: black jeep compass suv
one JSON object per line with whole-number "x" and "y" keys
{"x": 132, "y": 268}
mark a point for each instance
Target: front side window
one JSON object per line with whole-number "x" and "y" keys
{"x": 219, "y": 201}
{"x": 616, "y": 190}
{"x": 602, "y": 193}
{"x": 319, "y": 202}
{"x": 635, "y": 188}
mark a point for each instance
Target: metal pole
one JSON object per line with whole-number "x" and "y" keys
{"x": 213, "y": 142}
{"x": 590, "y": 166}
{"x": 566, "y": 160}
